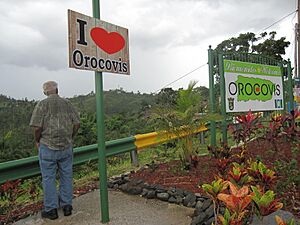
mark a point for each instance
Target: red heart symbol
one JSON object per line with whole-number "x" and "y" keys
{"x": 108, "y": 42}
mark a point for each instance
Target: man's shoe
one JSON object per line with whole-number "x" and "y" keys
{"x": 52, "y": 214}
{"x": 67, "y": 210}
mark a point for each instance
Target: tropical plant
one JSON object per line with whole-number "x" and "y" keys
{"x": 262, "y": 175}
{"x": 237, "y": 201}
{"x": 213, "y": 190}
{"x": 239, "y": 175}
{"x": 9, "y": 192}
{"x": 245, "y": 129}
{"x": 265, "y": 203}
{"x": 181, "y": 121}
{"x": 290, "y": 130}
{"x": 220, "y": 152}
{"x": 230, "y": 219}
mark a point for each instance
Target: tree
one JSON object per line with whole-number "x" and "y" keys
{"x": 166, "y": 97}
{"x": 264, "y": 44}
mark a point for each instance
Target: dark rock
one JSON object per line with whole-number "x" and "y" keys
{"x": 134, "y": 190}
{"x": 137, "y": 182}
{"x": 198, "y": 195}
{"x": 172, "y": 191}
{"x": 189, "y": 200}
{"x": 201, "y": 199}
{"x": 159, "y": 187}
{"x": 115, "y": 186}
{"x": 148, "y": 186}
{"x": 160, "y": 190}
{"x": 144, "y": 192}
{"x": 209, "y": 211}
{"x": 151, "y": 194}
{"x": 153, "y": 186}
{"x": 124, "y": 187}
{"x": 270, "y": 219}
{"x": 163, "y": 196}
{"x": 119, "y": 181}
{"x": 206, "y": 204}
{"x": 199, "y": 220}
{"x": 110, "y": 184}
{"x": 172, "y": 199}
{"x": 210, "y": 220}
{"x": 191, "y": 205}
{"x": 179, "y": 192}
{"x": 186, "y": 193}
{"x": 197, "y": 212}
{"x": 199, "y": 205}
{"x": 126, "y": 179}
{"x": 179, "y": 200}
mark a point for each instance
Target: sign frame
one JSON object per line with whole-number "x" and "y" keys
{"x": 251, "y": 86}
{"x": 97, "y": 45}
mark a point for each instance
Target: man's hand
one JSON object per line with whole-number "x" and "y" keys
{"x": 37, "y": 131}
{"x": 75, "y": 129}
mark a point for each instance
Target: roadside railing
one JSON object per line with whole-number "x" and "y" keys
{"x": 29, "y": 167}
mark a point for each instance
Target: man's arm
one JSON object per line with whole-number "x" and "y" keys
{"x": 75, "y": 129}
{"x": 37, "y": 131}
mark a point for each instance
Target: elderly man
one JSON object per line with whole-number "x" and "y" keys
{"x": 55, "y": 122}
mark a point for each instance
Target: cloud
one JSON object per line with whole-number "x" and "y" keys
{"x": 168, "y": 38}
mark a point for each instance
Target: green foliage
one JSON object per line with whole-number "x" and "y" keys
{"x": 215, "y": 188}
{"x": 265, "y": 203}
{"x": 238, "y": 175}
{"x": 290, "y": 171}
{"x": 265, "y": 44}
{"x": 262, "y": 175}
{"x": 181, "y": 118}
{"x": 9, "y": 193}
{"x": 246, "y": 128}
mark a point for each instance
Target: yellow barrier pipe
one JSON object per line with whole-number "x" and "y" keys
{"x": 154, "y": 138}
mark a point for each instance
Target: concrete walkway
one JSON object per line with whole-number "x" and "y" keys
{"x": 124, "y": 210}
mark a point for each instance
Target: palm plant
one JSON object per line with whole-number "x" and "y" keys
{"x": 181, "y": 120}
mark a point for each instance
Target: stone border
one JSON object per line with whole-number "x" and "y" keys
{"x": 204, "y": 211}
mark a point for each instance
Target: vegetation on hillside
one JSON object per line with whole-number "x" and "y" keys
{"x": 126, "y": 114}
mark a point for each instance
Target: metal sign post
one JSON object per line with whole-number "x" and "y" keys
{"x": 98, "y": 46}
{"x": 101, "y": 134}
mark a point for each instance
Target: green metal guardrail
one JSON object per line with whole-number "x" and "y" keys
{"x": 28, "y": 167}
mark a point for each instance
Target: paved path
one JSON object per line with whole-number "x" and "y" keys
{"x": 124, "y": 210}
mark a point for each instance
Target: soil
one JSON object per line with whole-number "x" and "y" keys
{"x": 172, "y": 175}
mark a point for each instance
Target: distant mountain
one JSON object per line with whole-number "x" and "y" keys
{"x": 115, "y": 102}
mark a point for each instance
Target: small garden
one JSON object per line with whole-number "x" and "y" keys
{"x": 258, "y": 175}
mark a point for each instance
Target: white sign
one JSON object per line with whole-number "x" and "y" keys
{"x": 254, "y": 87}
{"x": 97, "y": 45}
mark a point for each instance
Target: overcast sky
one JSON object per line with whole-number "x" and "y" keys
{"x": 168, "y": 38}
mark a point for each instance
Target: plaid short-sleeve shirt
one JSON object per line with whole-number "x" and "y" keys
{"x": 56, "y": 116}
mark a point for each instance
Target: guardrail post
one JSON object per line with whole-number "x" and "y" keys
{"x": 202, "y": 139}
{"x": 223, "y": 99}
{"x": 290, "y": 86}
{"x": 212, "y": 102}
{"x": 134, "y": 158}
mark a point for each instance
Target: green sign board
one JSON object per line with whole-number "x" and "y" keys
{"x": 254, "y": 87}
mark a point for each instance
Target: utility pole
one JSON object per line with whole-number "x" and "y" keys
{"x": 296, "y": 51}
{"x": 298, "y": 41}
